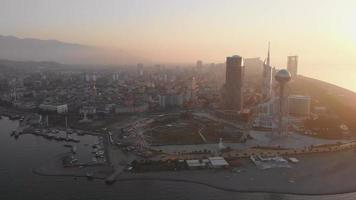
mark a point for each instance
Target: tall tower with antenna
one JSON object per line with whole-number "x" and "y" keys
{"x": 282, "y": 77}
{"x": 267, "y": 77}
{"x": 268, "y": 54}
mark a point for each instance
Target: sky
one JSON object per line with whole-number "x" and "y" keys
{"x": 321, "y": 32}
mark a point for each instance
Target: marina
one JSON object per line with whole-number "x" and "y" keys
{"x": 50, "y": 134}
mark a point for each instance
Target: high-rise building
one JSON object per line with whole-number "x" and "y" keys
{"x": 115, "y": 76}
{"x": 233, "y": 84}
{"x": 87, "y": 77}
{"x": 140, "y": 69}
{"x": 253, "y": 67}
{"x": 267, "y": 77}
{"x": 199, "y": 64}
{"x": 292, "y": 65}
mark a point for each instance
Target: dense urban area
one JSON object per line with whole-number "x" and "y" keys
{"x": 212, "y": 116}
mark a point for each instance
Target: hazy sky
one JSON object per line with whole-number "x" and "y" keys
{"x": 321, "y": 32}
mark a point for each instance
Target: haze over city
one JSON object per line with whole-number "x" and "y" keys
{"x": 321, "y": 32}
{"x": 178, "y": 99}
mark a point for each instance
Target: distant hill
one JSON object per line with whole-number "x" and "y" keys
{"x": 343, "y": 95}
{"x": 29, "y": 49}
{"x": 10, "y": 65}
{"x": 338, "y": 100}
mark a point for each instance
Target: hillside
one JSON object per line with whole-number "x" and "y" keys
{"x": 29, "y": 49}
{"x": 338, "y": 100}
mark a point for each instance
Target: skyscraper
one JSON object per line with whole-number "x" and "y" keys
{"x": 267, "y": 77}
{"x": 292, "y": 65}
{"x": 140, "y": 69}
{"x": 199, "y": 65}
{"x": 253, "y": 67}
{"x": 233, "y": 84}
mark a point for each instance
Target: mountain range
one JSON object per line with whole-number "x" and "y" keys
{"x": 30, "y": 49}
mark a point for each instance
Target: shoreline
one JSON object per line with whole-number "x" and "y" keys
{"x": 201, "y": 183}
{"x": 312, "y": 170}
{"x": 303, "y": 179}
{"x": 53, "y": 167}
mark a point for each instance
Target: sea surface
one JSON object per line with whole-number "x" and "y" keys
{"x": 20, "y": 156}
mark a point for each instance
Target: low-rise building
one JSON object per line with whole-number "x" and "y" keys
{"x": 171, "y": 100}
{"x": 59, "y": 108}
{"x": 218, "y": 162}
{"x": 121, "y": 109}
{"x": 299, "y": 105}
{"x": 197, "y": 164}
{"x": 90, "y": 110}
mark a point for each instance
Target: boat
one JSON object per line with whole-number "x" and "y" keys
{"x": 74, "y": 160}
{"x": 89, "y": 175}
{"x": 74, "y": 149}
{"x": 76, "y": 140}
{"x": 14, "y": 117}
{"x": 80, "y": 133}
{"x": 100, "y": 152}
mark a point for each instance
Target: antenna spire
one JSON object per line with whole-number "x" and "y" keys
{"x": 268, "y": 54}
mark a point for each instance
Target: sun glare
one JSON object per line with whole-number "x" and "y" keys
{"x": 352, "y": 27}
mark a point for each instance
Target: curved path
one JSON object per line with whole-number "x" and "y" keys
{"x": 315, "y": 174}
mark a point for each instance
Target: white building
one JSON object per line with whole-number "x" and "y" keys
{"x": 196, "y": 164}
{"x": 59, "y": 108}
{"x": 91, "y": 110}
{"x": 299, "y": 105}
{"x": 87, "y": 77}
{"x": 218, "y": 162}
{"x": 170, "y": 100}
{"x": 115, "y": 76}
{"x": 292, "y": 66}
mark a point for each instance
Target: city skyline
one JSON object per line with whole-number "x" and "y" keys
{"x": 321, "y": 33}
{"x": 177, "y": 99}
